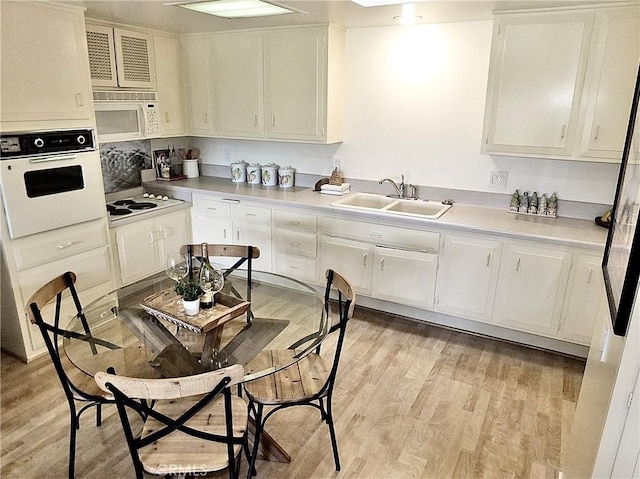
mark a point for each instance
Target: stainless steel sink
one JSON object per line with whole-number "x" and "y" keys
{"x": 393, "y": 206}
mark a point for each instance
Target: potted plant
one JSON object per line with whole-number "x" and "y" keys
{"x": 190, "y": 290}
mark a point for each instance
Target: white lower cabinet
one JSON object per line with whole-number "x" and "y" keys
{"x": 352, "y": 259}
{"x": 231, "y": 221}
{"x": 584, "y": 297}
{"x": 143, "y": 246}
{"x": 531, "y": 287}
{"x": 294, "y": 244}
{"x": 404, "y": 276}
{"x": 468, "y": 276}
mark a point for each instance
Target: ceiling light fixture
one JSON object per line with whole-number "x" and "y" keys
{"x": 408, "y": 15}
{"x": 237, "y": 8}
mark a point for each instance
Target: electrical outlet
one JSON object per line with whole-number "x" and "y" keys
{"x": 336, "y": 162}
{"x": 498, "y": 180}
{"x": 227, "y": 154}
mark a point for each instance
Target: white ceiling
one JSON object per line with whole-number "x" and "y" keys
{"x": 155, "y": 15}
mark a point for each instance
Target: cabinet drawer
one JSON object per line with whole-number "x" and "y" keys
{"x": 381, "y": 234}
{"x": 256, "y": 215}
{"x": 294, "y": 220}
{"x": 294, "y": 242}
{"x": 296, "y": 267}
{"x": 58, "y": 244}
{"x": 214, "y": 208}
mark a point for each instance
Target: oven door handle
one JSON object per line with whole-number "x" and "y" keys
{"x": 53, "y": 158}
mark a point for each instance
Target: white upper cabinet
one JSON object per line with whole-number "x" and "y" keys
{"x": 169, "y": 84}
{"x": 536, "y": 77}
{"x": 282, "y": 84}
{"x": 197, "y": 66}
{"x": 561, "y": 83}
{"x": 120, "y": 58}
{"x": 615, "y": 54}
{"x": 45, "y": 72}
{"x": 238, "y": 85}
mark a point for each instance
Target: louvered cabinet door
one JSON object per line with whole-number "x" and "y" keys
{"x": 102, "y": 56}
{"x": 134, "y": 59}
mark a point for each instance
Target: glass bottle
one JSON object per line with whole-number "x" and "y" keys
{"x": 211, "y": 280}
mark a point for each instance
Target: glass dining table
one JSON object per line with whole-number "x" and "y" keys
{"x": 120, "y": 330}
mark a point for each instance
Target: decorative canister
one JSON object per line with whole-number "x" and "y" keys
{"x": 190, "y": 168}
{"x": 287, "y": 176}
{"x": 254, "y": 174}
{"x": 239, "y": 172}
{"x": 270, "y": 175}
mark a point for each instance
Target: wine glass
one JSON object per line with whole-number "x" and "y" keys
{"x": 211, "y": 281}
{"x": 177, "y": 267}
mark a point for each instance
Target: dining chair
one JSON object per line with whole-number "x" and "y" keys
{"x": 308, "y": 382}
{"x": 194, "y": 424}
{"x": 244, "y": 253}
{"x": 77, "y": 386}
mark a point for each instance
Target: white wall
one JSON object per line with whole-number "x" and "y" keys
{"x": 414, "y": 105}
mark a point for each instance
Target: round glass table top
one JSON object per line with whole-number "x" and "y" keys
{"x": 287, "y": 321}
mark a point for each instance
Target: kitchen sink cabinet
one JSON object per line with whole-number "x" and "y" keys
{"x": 588, "y": 58}
{"x": 278, "y": 84}
{"x": 45, "y": 71}
{"x": 142, "y": 247}
{"x": 468, "y": 276}
{"x": 613, "y": 60}
{"x": 198, "y": 76}
{"x": 585, "y": 295}
{"x": 353, "y": 259}
{"x": 169, "y": 84}
{"x": 531, "y": 287}
{"x": 233, "y": 221}
{"x": 294, "y": 248}
{"x": 120, "y": 58}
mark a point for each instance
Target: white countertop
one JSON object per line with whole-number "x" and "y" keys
{"x": 460, "y": 218}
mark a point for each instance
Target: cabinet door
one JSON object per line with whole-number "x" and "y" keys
{"x": 135, "y": 62}
{"x": 255, "y": 235}
{"x": 238, "y": 85}
{"x": 405, "y": 277}
{"x": 295, "y": 84}
{"x": 138, "y": 250}
{"x": 169, "y": 84}
{"x": 467, "y": 276}
{"x": 45, "y": 68}
{"x": 102, "y": 56}
{"x": 531, "y": 288}
{"x": 175, "y": 231}
{"x": 584, "y": 295}
{"x": 610, "y": 82}
{"x": 352, "y": 259}
{"x": 197, "y": 66}
{"x": 538, "y": 62}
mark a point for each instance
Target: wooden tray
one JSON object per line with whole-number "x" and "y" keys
{"x": 168, "y": 306}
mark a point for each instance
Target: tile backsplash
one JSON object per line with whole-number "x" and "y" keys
{"x": 122, "y": 163}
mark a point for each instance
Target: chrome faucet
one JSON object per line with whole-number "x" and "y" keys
{"x": 400, "y": 188}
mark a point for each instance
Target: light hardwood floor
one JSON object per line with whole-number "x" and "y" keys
{"x": 412, "y": 401}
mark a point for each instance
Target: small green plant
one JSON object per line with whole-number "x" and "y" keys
{"x": 189, "y": 289}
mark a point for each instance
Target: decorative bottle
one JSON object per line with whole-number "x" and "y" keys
{"x": 211, "y": 280}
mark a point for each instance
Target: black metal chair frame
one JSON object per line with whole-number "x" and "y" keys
{"x": 247, "y": 258}
{"x": 325, "y": 392}
{"x": 144, "y": 410}
{"x": 51, "y": 335}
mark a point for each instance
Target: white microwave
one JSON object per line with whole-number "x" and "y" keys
{"x": 124, "y": 115}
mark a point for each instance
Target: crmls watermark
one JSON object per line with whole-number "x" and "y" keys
{"x": 192, "y": 469}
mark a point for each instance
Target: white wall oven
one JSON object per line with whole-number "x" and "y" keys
{"x": 50, "y": 180}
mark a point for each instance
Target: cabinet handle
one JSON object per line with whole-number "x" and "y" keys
{"x": 205, "y": 117}
{"x": 273, "y": 120}
{"x": 79, "y": 100}
{"x": 564, "y": 126}
{"x": 238, "y": 235}
{"x": 376, "y": 234}
{"x": 166, "y": 117}
{"x": 488, "y": 259}
{"x": 295, "y": 243}
{"x": 293, "y": 267}
{"x": 151, "y": 237}
{"x": 212, "y": 208}
{"x": 224, "y": 233}
{"x": 518, "y": 264}
{"x": 589, "y": 276}
{"x": 382, "y": 264}
{"x": 364, "y": 259}
{"x": 164, "y": 233}
{"x": 294, "y": 223}
{"x": 597, "y": 133}
{"x": 251, "y": 214}
{"x": 255, "y": 120}
{"x": 66, "y": 245}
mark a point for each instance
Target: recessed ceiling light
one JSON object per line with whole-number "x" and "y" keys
{"x": 377, "y": 3}
{"x": 237, "y": 8}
